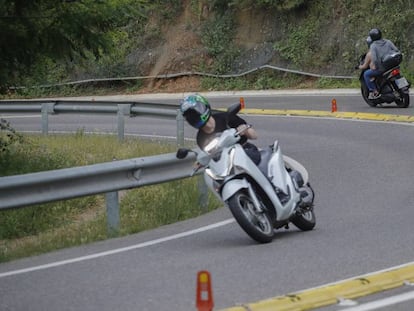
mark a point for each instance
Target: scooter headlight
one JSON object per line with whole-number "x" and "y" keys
{"x": 212, "y": 147}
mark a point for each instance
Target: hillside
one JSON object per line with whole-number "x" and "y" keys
{"x": 320, "y": 37}
{"x": 231, "y": 37}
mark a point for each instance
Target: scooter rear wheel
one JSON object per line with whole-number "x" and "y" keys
{"x": 257, "y": 224}
{"x": 305, "y": 221}
{"x": 404, "y": 102}
{"x": 305, "y": 216}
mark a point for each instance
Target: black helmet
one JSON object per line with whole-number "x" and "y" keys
{"x": 369, "y": 41}
{"x": 375, "y": 34}
{"x": 196, "y": 110}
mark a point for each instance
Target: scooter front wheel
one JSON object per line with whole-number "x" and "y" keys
{"x": 257, "y": 224}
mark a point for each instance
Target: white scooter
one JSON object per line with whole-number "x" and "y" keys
{"x": 261, "y": 197}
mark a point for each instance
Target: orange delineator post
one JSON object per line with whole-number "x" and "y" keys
{"x": 204, "y": 297}
{"x": 334, "y": 106}
{"x": 242, "y": 103}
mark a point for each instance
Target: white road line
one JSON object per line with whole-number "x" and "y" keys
{"x": 118, "y": 250}
{"x": 382, "y": 303}
{"x": 21, "y": 117}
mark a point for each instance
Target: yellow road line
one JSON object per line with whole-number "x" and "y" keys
{"x": 328, "y": 114}
{"x": 333, "y": 293}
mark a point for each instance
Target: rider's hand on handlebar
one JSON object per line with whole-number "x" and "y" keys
{"x": 242, "y": 128}
{"x": 196, "y": 167}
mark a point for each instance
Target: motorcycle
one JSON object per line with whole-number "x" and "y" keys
{"x": 261, "y": 197}
{"x": 392, "y": 86}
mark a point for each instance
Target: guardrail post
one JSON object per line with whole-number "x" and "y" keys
{"x": 123, "y": 110}
{"x": 202, "y": 193}
{"x": 180, "y": 129}
{"x": 112, "y": 213}
{"x": 46, "y": 109}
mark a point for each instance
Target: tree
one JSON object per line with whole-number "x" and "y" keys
{"x": 57, "y": 29}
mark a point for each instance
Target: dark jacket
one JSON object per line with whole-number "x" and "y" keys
{"x": 223, "y": 122}
{"x": 380, "y": 49}
{"x": 221, "y": 125}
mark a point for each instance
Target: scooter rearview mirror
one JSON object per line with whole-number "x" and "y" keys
{"x": 181, "y": 153}
{"x": 234, "y": 109}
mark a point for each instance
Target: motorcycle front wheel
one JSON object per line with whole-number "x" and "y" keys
{"x": 257, "y": 224}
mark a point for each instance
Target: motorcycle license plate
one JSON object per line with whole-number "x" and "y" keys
{"x": 401, "y": 82}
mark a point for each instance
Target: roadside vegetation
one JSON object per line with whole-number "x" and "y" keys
{"x": 42, "y": 228}
{"x": 124, "y": 38}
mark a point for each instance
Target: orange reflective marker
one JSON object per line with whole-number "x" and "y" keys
{"x": 242, "y": 103}
{"x": 334, "y": 107}
{"x": 204, "y": 292}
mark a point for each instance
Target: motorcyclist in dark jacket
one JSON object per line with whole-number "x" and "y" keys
{"x": 379, "y": 48}
{"x": 198, "y": 113}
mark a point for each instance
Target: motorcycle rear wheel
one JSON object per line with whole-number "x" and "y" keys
{"x": 258, "y": 225}
{"x": 305, "y": 217}
{"x": 305, "y": 220}
{"x": 404, "y": 102}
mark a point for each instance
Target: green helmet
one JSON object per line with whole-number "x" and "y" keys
{"x": 196, "y": 110}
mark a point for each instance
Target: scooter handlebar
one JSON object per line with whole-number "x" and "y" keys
{"x": 242, "y": 130}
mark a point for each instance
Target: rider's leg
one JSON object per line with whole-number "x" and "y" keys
{"x": 306, "y": 192}
{"x": 369, "y": 76}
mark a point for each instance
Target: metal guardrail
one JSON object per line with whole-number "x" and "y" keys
{"x": 110, "y": 177}
{"x": 42, "y": 187}
{"x": 189, "y": 73}
{"x": 121, "y": 109}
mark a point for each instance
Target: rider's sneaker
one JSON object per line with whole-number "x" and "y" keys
{"x": 297, "y": 177}
{"x": 283, "y": 197}
{"x": 307, "y": 196}
{"x": 374, "y": 95}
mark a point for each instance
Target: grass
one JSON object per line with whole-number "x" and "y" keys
{"x": 42, "y": 228}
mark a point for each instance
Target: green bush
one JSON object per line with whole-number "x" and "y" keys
{"x": 8, "y": 137}
{"x": 217, "y": 36}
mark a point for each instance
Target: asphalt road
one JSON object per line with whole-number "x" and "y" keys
{"x": 320, "y": 100}
{"x": 362, "y": 175}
